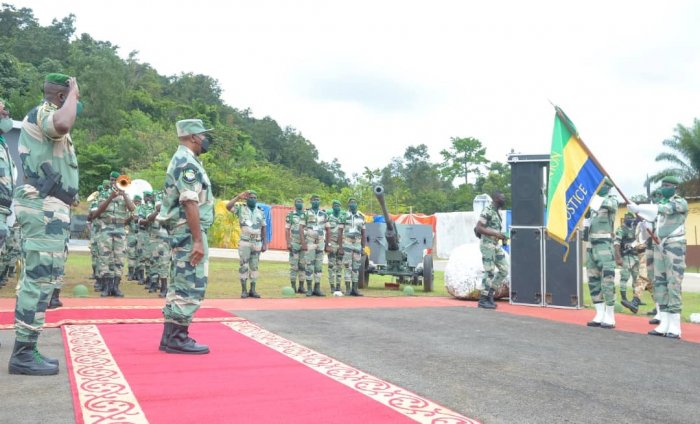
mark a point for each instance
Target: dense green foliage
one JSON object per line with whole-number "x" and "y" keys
{"x": 684, "y": 158}
{"x": 130, "y": 111}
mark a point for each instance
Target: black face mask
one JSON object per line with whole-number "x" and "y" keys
{"x": 206, "y": 143}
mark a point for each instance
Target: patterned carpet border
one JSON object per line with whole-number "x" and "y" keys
{"x": 411, "y": 405}
{"x": 63, "y": 322}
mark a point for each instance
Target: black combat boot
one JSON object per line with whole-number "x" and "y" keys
{"x": 348, "y": 290}
{"x": 635, "y": 304}
{"x": 244, "y": 289}
{"x": 301, "y": 287}
{"x": 492, "y": 301}
{"x": 652, "y": 312}
{"x": 167, "y": 328}
{"x": 309, "y": 289}
{"x": 153, "y": 281}
{"x": 94, "y": 273}
{"x": 140, "y": 276}
{"x": 130, "y": 276}
{"x": 106, "y": 286}
{"x": 252, "y": 293}
{"x": 294, "y": 286}
{"x": 99, "y": 283}
{"x": 55, "y": 302}
{"x": 180, "y": 342}
{"x": 51, "y": 361}
{"x": 629, "y": 305}
{"x": 163, "y": 287}
{"x": 354, "y": 291}
{"x": 26, "y": 360}
{"x": 484, "y": 302}
{"x": 115, "y": 287}
{"x": 317, "y": 290}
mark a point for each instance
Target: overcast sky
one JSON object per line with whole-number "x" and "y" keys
{"x": 363, "y": 80}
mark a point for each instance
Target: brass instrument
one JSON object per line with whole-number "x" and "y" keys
{"x": 123, "y": 182}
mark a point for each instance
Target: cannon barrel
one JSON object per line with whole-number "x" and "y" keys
{"x": 391, "y": 236}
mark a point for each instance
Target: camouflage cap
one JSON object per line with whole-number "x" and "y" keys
{"x": 58, "y": 79}
{"x": 671, "y": 179}
{"x": 352, "y": 199}
{"x": 190, "y": 126}
{"x": 298, "y": 199}
{"x": 137, "y": 197}
{"x": 114, "y": 174}
{"x": 335, "y": 202}
{"x": 314, "y": 195}
{"x": 148, "y": 194}
{"x": 252, "y": 192}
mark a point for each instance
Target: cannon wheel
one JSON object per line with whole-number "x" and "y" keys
{"x": 428, "y": 273}
{"x": 363, "y": 278}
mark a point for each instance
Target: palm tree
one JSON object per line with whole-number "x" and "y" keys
{"x": 684, "y": 158}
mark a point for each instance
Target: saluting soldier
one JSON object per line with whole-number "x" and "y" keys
{"x": 251, "y": 218}
{"x": 335, "y": 248}
{"x": 187, "y": 212}
{"x": 292, "y": 225}
{"x": 42, "y": 206}
{"x": 351, "y": 236}
{"x": 314, "y": 238}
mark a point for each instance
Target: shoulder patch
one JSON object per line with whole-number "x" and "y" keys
{"x": 189, "y": 175}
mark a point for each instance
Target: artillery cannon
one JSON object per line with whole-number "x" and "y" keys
{"x": 398, "y": 250}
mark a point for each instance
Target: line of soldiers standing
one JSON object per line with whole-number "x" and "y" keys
{"x": 125, "y": 229}
{"x": 311, "y": 232}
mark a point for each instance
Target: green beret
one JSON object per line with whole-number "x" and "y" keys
{"x": 148, "y": 194}
{"x": 671, "y": 179}
{"x": 298, "y": 199}
{"x": 114, "y": 174}
{"x": 252, "y": 192}
{"x": 190, "y": 126}
{"x": 352, "y": 199}
{"x": 336, "y": 202}
{"x": 58, "y": 79}
{"x": 100, "y": 187}
{"x": 106, "y": 183}
{"x": 314, "y": 195}
{"x": 137, "y": 197}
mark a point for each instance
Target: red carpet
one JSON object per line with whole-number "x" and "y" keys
{"x": 118, "y": 375}
{"x": 112, "y": 315}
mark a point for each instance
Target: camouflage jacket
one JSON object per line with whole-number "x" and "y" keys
{"x": 8, "y": 173}
{"x": 602, "y": 220}
{"x": 251, "y": 221}
{"x": 114, "y": 217}
{"x": 186, "y": 180}
{"x": 334, "y": 224}
{"x": 292, "y": 222}
{"x": 670, "y": 222}
{"x": 39, "y": 143}
{"x": 490, "y": 218}
{"x": 352, "y": 225}
{"x": 624, "y": 237}
{"x": 315, "y": 225}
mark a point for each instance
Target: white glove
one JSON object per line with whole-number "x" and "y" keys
{"x": 596, "y": 203}
{"x": 633, "y": 207}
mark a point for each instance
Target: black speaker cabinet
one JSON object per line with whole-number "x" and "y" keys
{"x": 526, "y": 266}
{"x": 562, "y": 280}
{"x": 528, "y": 189}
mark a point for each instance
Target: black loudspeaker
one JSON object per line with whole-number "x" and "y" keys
{"x": 528, "y": 189}
{"x": 562, "y": 280}
{"x": 526, "y": 265}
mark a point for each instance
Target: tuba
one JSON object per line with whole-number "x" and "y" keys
{"x": 123, "y": 182}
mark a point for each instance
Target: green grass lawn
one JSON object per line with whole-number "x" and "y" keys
{"x": 224, "y": 283}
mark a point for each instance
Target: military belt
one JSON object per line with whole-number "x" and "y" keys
{"x": 600, "y": 236}
{"x": 112, "y": 220}
{"x": 57, "y": 192}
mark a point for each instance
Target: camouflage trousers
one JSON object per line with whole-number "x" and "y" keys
{"x": 111, "y": 246}
{"x": 600, "y": 268}
{"x": 143, "y": 259}
{"x": 4, "y": 234}
{"x": 352, "y": 259}
{"x": 12, "y": 250}
{"x": 189, "y": 283}
{"x": 493, "y": 258}
{"x": 630, "y": 268}
{"x": 335, "y": 266}
{"x": 296, "y": 263}
{"x": 313, "y": 261}
{"x": 132, "y": 245}
{"x": 669, "y": 267}
{"x": 249, "y": 257}
{"x": 94, "y": 253}
{"x": 45, "y": 226}
{"x": 649, "y": 256}
{"x": 158, "y": 256}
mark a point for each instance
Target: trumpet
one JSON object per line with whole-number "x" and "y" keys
{"x": 123, "y": 182}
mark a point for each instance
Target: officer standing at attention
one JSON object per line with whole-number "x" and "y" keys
{"x": 187, "y": 212}
{"x": 627, "y": 258}
{"x": 351, "y": 237}
{"x": 669, "y": 256}
{"x": 600, "y": 258}
{"x": 132, "y": 240}
{"x": 314, "y": 238}
{"x": 253, "y": 233}
{"x": 8, "y": 173}
{"x": 292, "y": 234}
{"x": 42, "y": 206}
{"x": 490, "y": 229}
{"x": 334, "y": 248}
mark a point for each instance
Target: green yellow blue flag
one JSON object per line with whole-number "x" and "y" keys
{"x": 574, "y": 177}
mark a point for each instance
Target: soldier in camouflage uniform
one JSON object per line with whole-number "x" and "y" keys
{"x": 8, "y": 174}
{"x": 334, "y": 248}
{"x": 156, "y": 248}
{"x": 132, "y": 241}
{"x": 253, "y": 233}
{"x": 93, "y": 229}
{"x": 114, "y": 211}
{"x": 314, "y": 238}
{"x": 187, "y": 212}
{"x": 656, "y": 198}
{"x": 490, "y": 229}
{"x": 600, "y": 258}
{"x": 143, "y": 239}
{"x": 627, "y": 258}
{"x": 351, "y": 236}
{"x": 669, "y": 257}
{"x": 293, "y": 220}
{"x": 42, "y": 206}
{"x": 11, "y": 255}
